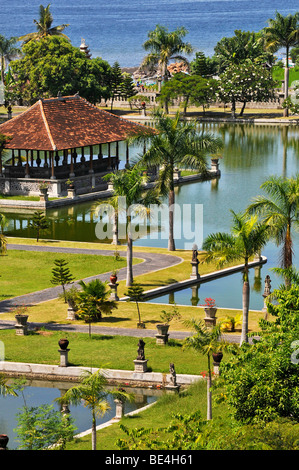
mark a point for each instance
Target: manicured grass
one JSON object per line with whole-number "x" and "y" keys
{"x": 23, "y": 272}
{"x": 159, "y": 415}
{"x": 103, "y": 351}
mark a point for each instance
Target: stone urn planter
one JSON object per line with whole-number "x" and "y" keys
{"x": 113, "y": 278}
{"x": 3, "y": 441}
{"x": 217, "y": 357}
{"x": 21, "y": 325}
{"x": 210, "y": 312}
{"x": 63, "y": 344}
{"x": 162, "y": 328}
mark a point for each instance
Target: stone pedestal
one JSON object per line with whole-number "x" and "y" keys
{"x": 162, "y": 339}
{"x": 140, "y": 365}
{"x": 210, "y": 322}
{"x": 63, "y": 357}
{"x": 21, "y": 325}
{"x": 194, "y": 272}
{"x": 215, "y": 166}
{"x": 119, "y": 410}
{"x": 113, "y": 295}
{"x": 43, "y": 196}
{"x": 71, "y": 314}
{"x": 71, "y": 193}
{"x": 176, "y": 175}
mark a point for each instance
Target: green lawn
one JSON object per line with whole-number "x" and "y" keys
{"x": 23, "y": 272}
{"x": 103, "y": 351}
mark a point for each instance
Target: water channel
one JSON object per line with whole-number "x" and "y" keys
{"x": 38, "y": 392}
{"x": 251, "y": 153}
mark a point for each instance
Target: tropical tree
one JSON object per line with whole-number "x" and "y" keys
{"x": 39, "y": 223}
{"x": 44, "y": 26}
{"x": 135, "y": 294}
{"x": 52, "y": 65}
{"x": 93, "y": 300}
{"x": 283, "y": 31}
{"x": 61, "y": 275}
{"x": 92, "y": 391}
{"x": 247, "y": 238}
{"x": 279, "y": 210}
{"x": 116, "y": 82}
{"x": 175, "y": 144}
{"x": 128, "y": 187}
{"x": 164, "y": 46}
{"x": 245, "y": 82}
{"x": 207, "y": 341}
{"x": 8, "y": 52}
{"x": 193, "y": 89}
{"x": 244, "y": 45}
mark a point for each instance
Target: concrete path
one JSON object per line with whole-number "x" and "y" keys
{"x": 151, "y": 262}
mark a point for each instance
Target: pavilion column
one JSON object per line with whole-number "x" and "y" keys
{"x": 13, "y": 157}
{"x": 46, "y": 159}
{"x": 53, "y": 177}
{"x": 19, "y": 158}
{"x": 117, "y": 155}
{"x": 109, "y": 156}
{"x": 31, "y": 155}
{"x": 72, "y": 174}
{"x": 27, "y": 175}
{"x": 91, "y": 159}
{"x": 127, "y": 156}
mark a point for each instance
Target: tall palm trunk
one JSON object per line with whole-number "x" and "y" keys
{"x": 93, "y": 432}
{"x": 171, "y": 243}
{"x": 286, "y": 81}
{"x": 129, "y": 261}
{"x": 245, "y": 302}
{"x": 209, "y": 392}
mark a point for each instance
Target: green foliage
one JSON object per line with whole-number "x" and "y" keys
{"x": 41, "y": 427}
{"x": 135, "y": 294}
{"x": 244, "y": 82}
{"x": 262, "y": 382}
{"x": 203, "y": 66}
{"x": 53, "y": 65}
{"x": 164, "y": 45}
{"x": 39, "y": 222}
{"x": 244, "y": 46}
{"x": 194, "y": 89}
{"x": 61, "y": 274}
{"x": 93, "y": 301}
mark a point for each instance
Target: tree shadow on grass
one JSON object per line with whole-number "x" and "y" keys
{"x": 115, "y": 319}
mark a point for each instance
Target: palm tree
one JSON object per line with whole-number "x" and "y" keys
{"x": 93, "y": 300}
{"x": 165, "y": 46}
{"x": 283, "y": 31}
{"x": 128, "y": 186}
{"x": 44, "y": 26}
{"x": 247, "y": 238}
{"x": 8, "y": 52}
{"x": 207, "y": 341}
{"x": 92, "y": 391}
{"x": 175, "y": 144}
{"x": 279, "y": 210}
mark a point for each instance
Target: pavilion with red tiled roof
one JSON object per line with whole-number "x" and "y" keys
{"x": 52, "y": 131}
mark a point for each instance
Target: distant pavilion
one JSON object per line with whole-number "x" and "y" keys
{"x": 61, "y": 139}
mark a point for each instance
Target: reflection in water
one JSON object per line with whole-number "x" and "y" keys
{"x": 39, "y": 392}
{"x": 251, "y": 153}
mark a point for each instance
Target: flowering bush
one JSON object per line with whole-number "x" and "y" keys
{"x": 209, "y": 302}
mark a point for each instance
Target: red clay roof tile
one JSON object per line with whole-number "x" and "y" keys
{"x": 64, "y": 123}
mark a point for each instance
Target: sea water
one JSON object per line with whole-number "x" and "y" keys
{"x": 116, "y": 29}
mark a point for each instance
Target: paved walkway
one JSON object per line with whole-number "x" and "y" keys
{"x": 151, "y": 262}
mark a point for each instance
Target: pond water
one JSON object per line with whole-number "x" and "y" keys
{"x": 251, "y": 154}
{"x": 40, "y": 392}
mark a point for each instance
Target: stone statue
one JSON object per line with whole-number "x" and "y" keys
{"x": 194, "y": 253}
{"x": 172, "y": 374}
{"x": 140, "y": 350}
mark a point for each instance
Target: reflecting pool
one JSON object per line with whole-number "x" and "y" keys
{"x": 251, "y": 154}
{"x": 44, "y": 392}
